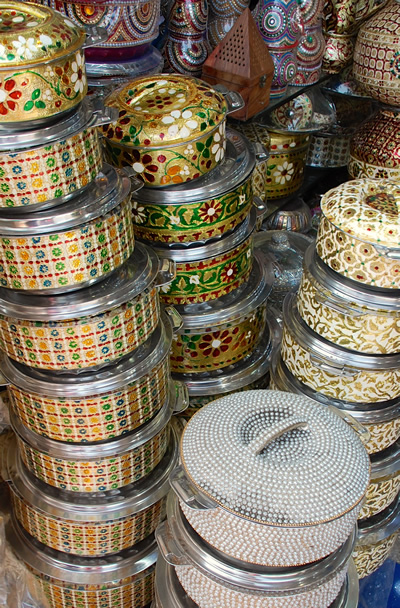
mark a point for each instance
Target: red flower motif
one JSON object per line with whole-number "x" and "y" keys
{"x": 8, "y": 96}
{"x": 216, "y": 343}
{"x": 229, "y": 272}
{"x": 209, "y": 212}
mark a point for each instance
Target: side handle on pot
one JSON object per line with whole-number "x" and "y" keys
{"x": 257, "y": 445}
{"x": 180, "y": 396}
{"x": 261, "y": 152}
{"x": 341, "y": 370}
{"x": 166, "y": 272}
{"x": 262, "y": 210}
{"x": 174, "y": 317}
{"x": 233, "y": 99}
{"x": 95, "y": 35}
{"x": 358, "y": 428}
{"x": 168, "y": 546}
{"x": 102, "y": 115}
{"x": 188, "y": 493}
{"x": 337, "y": 306}
{"x": 136, "y": 184}
{"x": 387, "y": 252}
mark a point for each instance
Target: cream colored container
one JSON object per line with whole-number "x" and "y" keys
{"x": 385, "y": 481}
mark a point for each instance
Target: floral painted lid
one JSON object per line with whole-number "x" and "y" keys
{"x": 170, "y": 110}
{"x": 366, "y": 209}
{"x": 31, "y": 34}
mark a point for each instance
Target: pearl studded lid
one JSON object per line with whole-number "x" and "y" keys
{"x": 275, "y": 458}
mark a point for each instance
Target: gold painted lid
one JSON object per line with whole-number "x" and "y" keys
{"x": 31, "y": 34}
{"x": 367, "y": 209}
{"x": 164, "y": 110}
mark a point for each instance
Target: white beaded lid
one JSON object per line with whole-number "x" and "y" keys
{"x": 275, "y": 458}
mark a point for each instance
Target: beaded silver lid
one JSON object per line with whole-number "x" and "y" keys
{"x": 275, "y": 458}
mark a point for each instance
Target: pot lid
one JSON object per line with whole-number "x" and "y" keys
{"x": 32, "y": 34}
{"x": 101, "y": 506}
{"x": 334, "y": 288}
{"x": 237, "y": 165}
{"x": 73, "y": 385}
{"x": 386, "y": 462}
{"x": 366, "y": 209}
{"x": 380, "y": 526}
{"x": 170, "y": 109}
{"x": 324, "y": 353}
{"x": 238, "y": 375}
{"x": 233, "y": 306}
{"x": 78, "y": 570}
{"x": 122, "y": 285}
{"x": 275, "y": 458}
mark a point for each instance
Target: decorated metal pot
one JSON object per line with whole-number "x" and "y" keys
{"x": 46, "y": 166}
{"x": 329, "y": 149}
{"x": 170, "y": 129}
{"x": 218, "y": 580}
{"x": 294, "y": 514}
{"x": 338, "y": 53}
{"x": 381, "y": 420}
{"x": 375, "y": 538}
{"x": 309, "y": 55}
{"x": 72, "y": 245}
{"x": 334, "y": 371}
{"x": 375, "y": 147}
{"x": 202, "y": 209}
{"x": 287, "y": 159}
{"x": 279, "y": 23}
{"x": 107, "y": 524}
{"x": 207, "y": 272}
{"x": 90, "y": 328}
{"x": 385, "y": 481}
{"x": 352, "y": 316}
{"x": 42, "y": 65}
{"x": 358, "y": 236}
{"x": 69, "y": 581}
{"x": 227, "y": 329}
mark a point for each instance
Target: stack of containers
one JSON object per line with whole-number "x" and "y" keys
{"x": 265, "y": 503}
{"x": 85, "y": 347}
{"x": 341, "y": 338}
{"x": 197, "y": 208}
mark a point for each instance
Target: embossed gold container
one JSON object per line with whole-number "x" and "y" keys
{"x": 93, "y": 405}
{"x": 42, "y": 64}
{"x": 384, "y": 485}
{"x": 171, "y": 128}
{"x": 335, "y": 371}
{"x": 105, "y": 525}
{"x": 375, "y": 538}
{"x": 69, "y": 581}
{"x": 350, "y": 315}
{"x": 70, "y": 246}
{"x": 358, "y": 236}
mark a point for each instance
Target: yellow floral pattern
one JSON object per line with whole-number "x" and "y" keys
{"x": 380, "y": 493}
{"x": 369, "y": 558}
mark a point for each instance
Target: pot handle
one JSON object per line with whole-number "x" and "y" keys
{"x": 342, "y": 370}
{"x": 180, "y": 400}
{"x": 102, "y": 115}
{"x": 95, "y": 35}
{"x": 166, "y": 273}
{"x": 358, "y": 428}
{"x": 136, "y": 184}
{"x": 387, "y": 252}
{"x": 169, "y": 548}
{"x": 261, "y": 152}
{"x": 188, "y": 493}
{"x": 261, "y": 209}
{"x": 174, "y": 317}
{"x": 233, "y": 99}
{"x": 257, "y": 445}
{"x": 337, "y": 306}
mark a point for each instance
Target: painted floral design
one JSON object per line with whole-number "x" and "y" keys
{"x": 216, "y": 343}
{"x": 24, "y": 47}
{"x": 230, "y": 270}
{"x": 138, "y": 212}
{"x": 9, "y": 96}
{"x": 218, "y": 149}
{"x": 78, "y": 77}
{"x": 210, "y": 211}
{"x": 284, "y": 172}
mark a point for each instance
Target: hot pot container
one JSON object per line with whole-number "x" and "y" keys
{"x": 385, "y": 481}
{"x": 42, "y": 64}
{"x": 89, "y": 328}
{"x": 351, "y": 315}
{"x": 335, "y": 371}
{"x": 381, "y": 420}
{"x": 206, "y": 272}
{"x": 375, "y": 539}
{"x": 249, "y": 374}
{"x": 170, "y": 130}
{"x": 221, "y": 332}
{"x": 94, "y": 405}
{"x": 358, "y": 235}
{"x": 125, "y": 580}
{"x": 48, "y": 165}
{"x": 210, "y": 578}
{"x": 70, "y": 246}
{"x": 276, "y": 478}
{"x": 205, "y": 208}
{"x": 107, "y": 524}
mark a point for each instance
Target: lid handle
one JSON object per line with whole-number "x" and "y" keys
{"x": 174, "y": 317}
{"x": 233, "y": 99}
{"x": 336, "y": 305}
{"x": 341, "y": 370}
{"x": 261, "y": 152}
{"x": 257, "y": 445}
{"x": 168, "y": 546}
{"x": 358, "y": 428}
{"x": 387, "y": 252}
{"x": 188, "y": 493}
{"x": 180, "y": 397}
{"x": 166, "y": 272}
{"x": 95, "y": 35}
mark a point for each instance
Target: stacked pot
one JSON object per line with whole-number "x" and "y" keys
{"x": 266, "y": 501}
{"x": 85, "y": 348}
{"x": 341, "y": 335}
{"x": 197, "y": 208}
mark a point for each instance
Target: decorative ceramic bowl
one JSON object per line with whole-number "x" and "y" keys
{"x": 385, "y": 481}
{"x": 42, "y": 65}
{"x": 69, "y": 581}
{"x": 358, "y": 236}
{"x": 170, "y": 130}
{"x": 89, "y": 329}
{"x": 72, "y": 245}
{"x": 333, "y": 370}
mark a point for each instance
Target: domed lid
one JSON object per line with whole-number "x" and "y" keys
{"x": 366, "y": 209}
{"x": 31, "y": 34}
{"x": 383, "y": 128}
{"x": 168, "y": 111}
{"x": 275, "y": 458}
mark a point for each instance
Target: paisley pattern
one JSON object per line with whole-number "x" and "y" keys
{"x": 369, "y": 558}
{"x": 380, "y": 493}
{"x": 364, "y": 386}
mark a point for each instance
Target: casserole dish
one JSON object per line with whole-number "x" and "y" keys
{"x": 385, "y": 481}
{"x": 170, "y": 130}
{"x": 293, "y": 513}
{"x": 358, "y": 235}
{"x": 72, "y": 245}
